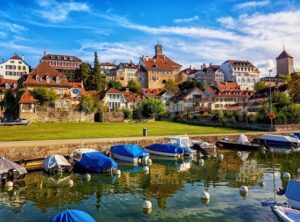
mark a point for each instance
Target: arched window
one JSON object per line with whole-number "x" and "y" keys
{"x": 243, "y": 80}
{"x": 248, "y": 80}
{"x": 253, "y": 80}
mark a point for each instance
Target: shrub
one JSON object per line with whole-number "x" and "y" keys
{"x": 150, "y": 108}
{"x": 87, "y": 104}
{"x": 43, "y": 95}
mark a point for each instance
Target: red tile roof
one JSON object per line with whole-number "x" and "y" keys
{"x": 228, "y": 86}
{"x": 240, "y": 63}
{"x": 107, "y": 64}
{"x": 43, "y": 70}
{"x": 131, "y": 96}
{"x": 160, "y": 62}
{"x": 27, "y": 98}
{"x": 3, "y": 83}
{"x": 56, "y": 57}
{"x": 151, "y": 92}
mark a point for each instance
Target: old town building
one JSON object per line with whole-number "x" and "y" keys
{"x": 159, "y": 69}
{"x": 244, "y": 73}
{"x": 62, "y": 62}
{"x": 285, "y": 63}
{"x": 126, "y": 72}
{"x": 14, "y": 68}
{"x": 109, "y": 69}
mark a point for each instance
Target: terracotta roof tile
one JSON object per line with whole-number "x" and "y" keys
{"x": 27, "y": 98}
{"x": 160, "y": 62}
{"x": 57, "y": 57}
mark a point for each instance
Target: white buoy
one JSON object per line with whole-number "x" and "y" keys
{"x": 149, "y": 162}
{"x": 238, "y": 153}
{"x": 244, "y": 189}
{"x": 118, "y": 173}
{"x": 9, "y": 185}
{"x": 147, "y": 206}
{"x": 146, "y": 169}
{"x": 204, "y": 195}
{"x": 221, "y": 156}
{"x": 88, "y": 176}
{"x": 286, "y": 175}
{"x": 71, "y": 183}
{"x": 201, "y": 162}
{"x": 298, "y": 170}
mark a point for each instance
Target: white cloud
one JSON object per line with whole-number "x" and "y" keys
{"x": 59, "y": 11}
{"x": 12, "y": 27}
{"x": 252, "y": 4}
{"x": 185, "y": 20}
{"x": 228, "y": 22}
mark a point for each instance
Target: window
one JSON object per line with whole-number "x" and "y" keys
{"x": 48, "y": 79}
{"x": 7, "y": 86}
{"x": 19, "y": 67}
{"x": 58, "y": 80}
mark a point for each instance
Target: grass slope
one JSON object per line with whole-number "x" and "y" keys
{"x": 52, "y": 131}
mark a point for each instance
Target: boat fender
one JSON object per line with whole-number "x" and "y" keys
{"x": 88, "y": 176}
{"x": 221, "y": 156}
{"x": 71, "y": 183}
{"x": 244, "y": 189}
{"x": 149, "y": 162}
{"x": 147, "y": 206}
{"x": 298, "y": 170}
{"x": 238, "y": 153}
{"x": 205, "y": 195}
{"x": 146, "y": 169}
{"x": 201, "y": 162}
{"x": 118, "y": 173}
{"x": 286, "y": 175}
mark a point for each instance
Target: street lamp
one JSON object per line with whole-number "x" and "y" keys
{"x": 271, "y": 119}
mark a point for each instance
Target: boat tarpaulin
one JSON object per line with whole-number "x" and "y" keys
{"x": 293, "y": 190}
{"x": 97, "y": 162}
{"x": 72, "y": 216}
{"x": 166, "y": 148}
{"x": 129, "y": 150}
{"x": 54, "y": 161}
{"x": 280, "y": 138}
{"x": 6, "y": 165}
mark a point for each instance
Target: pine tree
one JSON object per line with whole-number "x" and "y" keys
{"x": 96, "y": 64}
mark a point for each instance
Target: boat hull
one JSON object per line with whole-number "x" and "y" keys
{"x": 162, "y": 153}
{"x": 294, "y": 203}
{"x": 134, "y": 160}
{"x": 280, "y": 144}
{"x": 230, "y": 145}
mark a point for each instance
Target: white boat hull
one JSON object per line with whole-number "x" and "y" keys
{"x": 162, "y": 153}
{"x": 293, "y": 203}
{"x": 134, "y": 160}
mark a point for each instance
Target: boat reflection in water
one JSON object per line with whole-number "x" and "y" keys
{"x": 171, "y": 185}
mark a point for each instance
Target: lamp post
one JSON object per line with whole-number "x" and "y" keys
{"x": 271, "y": 119}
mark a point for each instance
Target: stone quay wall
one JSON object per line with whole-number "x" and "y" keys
{"x": 34, "y": 150}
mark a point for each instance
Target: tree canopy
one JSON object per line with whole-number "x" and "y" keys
{"x": 171, "y": 86}
{"x": 43, "y": 95}
{"x": 134, "y": 86}
{"x": 150, "y": 108}
{"x": 294, "y": 87}
{"x": 259, "y": 86}
{"x": 115, "y": 84}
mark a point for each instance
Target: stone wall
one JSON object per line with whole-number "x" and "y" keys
{"x": 111, "y": 117}
{"x": 58, "y": 116}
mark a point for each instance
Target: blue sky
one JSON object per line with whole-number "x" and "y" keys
{"x": 192, "y": 31}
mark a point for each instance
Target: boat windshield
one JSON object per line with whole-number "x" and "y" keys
{"x": 173, "y": 141}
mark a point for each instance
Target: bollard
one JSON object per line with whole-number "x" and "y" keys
{"x": 145, "y": 132}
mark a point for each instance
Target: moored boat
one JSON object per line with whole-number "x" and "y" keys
{"x": 284, "y": 214}
{"x": 72, "y": 216}
{"x": 241, "y": 144}
{"x": 93, "y": 160}
{"x": 293, "y": 193}
{"x": 56, "y": 163}
{"x": 279, "y": 141}
{"x": 170, "y": 150}
{"x": 130, "y": 153}
{"x": 182, "y": 141}
{"x": 11, "y": 171}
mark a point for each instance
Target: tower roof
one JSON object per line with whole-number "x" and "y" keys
{"x": 284, "y": 55}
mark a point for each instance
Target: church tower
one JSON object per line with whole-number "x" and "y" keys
{"x": 158, "y": 49}
{"x": 285, "y": 63}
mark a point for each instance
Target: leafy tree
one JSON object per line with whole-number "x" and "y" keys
{"x": 280, "y": 99}
{"x": 187, "y": 85}
{"x": 134, "y": 86}
{"x": 200, "y": 85}
{"x": 87, "y": 104}
{"x": 171, "y": 86}
{"x": 10, "y": 104}
{"x": 43, "y": 95}
{"x": 151, "y": 108}
{"x": 294, "y": 87}
{"x": 101, "y": 82}
{"x": 83, "y": 73}
{"x": 259, "y": 86}
{"x": 262, "y": 113}
{"x": 115, "y": 84}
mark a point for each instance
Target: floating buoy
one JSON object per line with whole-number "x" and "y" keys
{"x": 88, "y": 176}
{"x": 146, "y": 169}
{"x": 244, "y": 188}
{"x": 147, "y": 206}
{"x": 298, "y": 170}
{"x": 204, "y": 195}
{"x": 118, "y": 173}
{"x": 149, "y": 162}
{"x": 201, "y": 162}
{"x": 9, "y": 185}
{"x": 221, "y": 156}
{"x": 286, "y": 175}
{"x": 238, "y": 153}
{"x": 71, "y": 183}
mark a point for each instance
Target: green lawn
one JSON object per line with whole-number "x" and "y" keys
{"x": 52, "y": 131}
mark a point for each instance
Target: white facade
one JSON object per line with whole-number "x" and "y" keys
{"x": 13, "y": 68}
{"x": 115, "y": 101}
{"x": 242, "y": 72}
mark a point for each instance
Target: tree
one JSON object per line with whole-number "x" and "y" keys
{"x": 83, "y": 73}
{"x": 259, "y": 86}
{"x": 87, "y": 104}
{"x": 151, "y": 108}
{"x": 43, "y": 95}
{"x": 97, "y": 69}
{"x": 280, "y": 99}
{"x": 134, "y": 86}
{"x": 115, "y": 84}
{"x": 187, "y": 85}
{"x": 294, "y": 87}
{"x": 171, "y": 86}
{"x": 10, "y": 104}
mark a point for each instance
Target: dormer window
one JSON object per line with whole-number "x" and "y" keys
{"x": 58, "y": 80}
{"x": 48, "y": 79}
{"x": 7, "y": 86}
{"x": 37, "y": 78}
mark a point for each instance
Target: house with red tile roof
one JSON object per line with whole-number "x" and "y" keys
{"x": 159, "y": 69}
{"x": 14, "y": 68}
{"x": 27, "y": 104}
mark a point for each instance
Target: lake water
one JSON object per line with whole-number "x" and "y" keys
{"x": 173, "y": 187}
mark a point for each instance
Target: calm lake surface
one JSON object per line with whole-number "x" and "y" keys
{"x": 173, "y": 187}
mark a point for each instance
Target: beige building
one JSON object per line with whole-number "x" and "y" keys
{"x": 285, "y": 63}
{"x": 159, "y": 69}
{"x": 126, "y": 72}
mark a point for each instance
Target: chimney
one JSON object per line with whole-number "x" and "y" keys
{"x": 190, "y": 66}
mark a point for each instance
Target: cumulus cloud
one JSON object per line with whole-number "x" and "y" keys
{"x": 252, "y": 4}
{"x": 185, "y": 20}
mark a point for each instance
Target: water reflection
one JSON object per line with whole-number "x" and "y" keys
{"x": 166, "y": 178}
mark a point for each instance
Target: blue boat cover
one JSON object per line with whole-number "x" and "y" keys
{"x": 72, "y": 216}
{"x": 166, "y": 148}
{"x": 129, "y": 150}
{"x": 97, "y": 162}
{"x": 296, "y": 136}
{"x": 293, "y": 190}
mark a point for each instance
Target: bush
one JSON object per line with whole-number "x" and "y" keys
{"x": 150, "y": 108}
{"x": 127, "y": 113}
{"x": 115, "y": 84}
{"x": 43, "y": 95}
{"x": 87, "y": 104}
{"x": 134, "y": 86}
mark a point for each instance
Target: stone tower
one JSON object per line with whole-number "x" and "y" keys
{"x": 285, "y": 63}
{"x": 158, "y": 49}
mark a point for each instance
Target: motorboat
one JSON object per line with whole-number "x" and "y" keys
{"x": 279, "y": 141}
{"x": 292, "y": 193}
{"x": 285, "y": 214}
{"x": 241, "y": 144}
{"x": 165, "y": 149}
{"x": 11, "y": 171}
{"x": 130, "y": 153}
{"x": 93, "y": 160}
{"x": 56, "y": 163}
